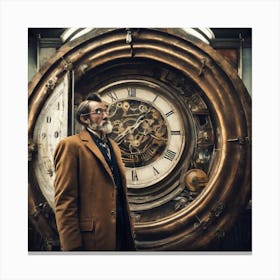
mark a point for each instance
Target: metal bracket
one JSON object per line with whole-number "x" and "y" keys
{"x": 129, "y": 40}
{"x": 240, "y": 140}
{"x": 68, "y": 66}
{"x": 50, "y": 85}
{"x": 203, "y": 64}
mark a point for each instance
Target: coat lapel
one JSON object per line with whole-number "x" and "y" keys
{"x": 85, "y": 136}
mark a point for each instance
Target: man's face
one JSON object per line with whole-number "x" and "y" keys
{"x": 98, "y": 118}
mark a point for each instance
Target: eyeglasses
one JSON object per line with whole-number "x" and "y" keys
{"x": 99, "y": 111}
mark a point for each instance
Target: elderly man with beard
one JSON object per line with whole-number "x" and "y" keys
{"x": 91, "y": 206}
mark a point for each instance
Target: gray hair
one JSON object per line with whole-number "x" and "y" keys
{"x": 83, "y": 108}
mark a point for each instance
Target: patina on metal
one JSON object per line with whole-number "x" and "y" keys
{"x": 220, "y": 106}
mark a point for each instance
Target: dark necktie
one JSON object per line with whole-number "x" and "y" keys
{"x": 106, "y": 148}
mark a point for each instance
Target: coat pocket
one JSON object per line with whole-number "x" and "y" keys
{"x": 87, "y": 229}
{"x": 86, "y": 224}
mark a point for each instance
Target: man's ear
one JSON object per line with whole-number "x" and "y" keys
{"x": 85, "y": 120}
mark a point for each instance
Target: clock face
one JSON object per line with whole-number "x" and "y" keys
{"x": 50, "y": 128}
{"x": 149, "y": 130}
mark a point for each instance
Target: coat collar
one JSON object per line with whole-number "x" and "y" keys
{"x": 85, "y": 136}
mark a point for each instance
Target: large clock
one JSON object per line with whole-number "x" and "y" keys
{"x": 181, "y": 117}
{"x": 149, "y": 129}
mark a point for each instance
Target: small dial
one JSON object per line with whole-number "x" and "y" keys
{"x": 149, "y": 129}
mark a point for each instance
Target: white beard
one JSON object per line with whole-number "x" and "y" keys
{"x": 104, "y": 127}
{"x": 107, "y": 127}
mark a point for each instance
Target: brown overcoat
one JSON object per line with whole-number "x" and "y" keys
{"x": 85, "y": 195}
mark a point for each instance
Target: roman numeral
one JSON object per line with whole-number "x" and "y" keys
{"x": 169, "y": 113}
{"x": 170, "y": 155}
{"x": 175, "y": 132}
{"x": 155, "y": 98}
{"x": 49, "y": 119}
{"x": 112, "y": 95}
{"x": 156, "y": 172}
{"x": 134, "y": 175}
{"x": 131, "y": 92}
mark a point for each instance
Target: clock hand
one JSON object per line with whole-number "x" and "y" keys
{"x": 139, "y": 121}
{"x": 136, "y": 125}
{"x": 157, "y": 138}
{"x": 122, "y": 135}
{"x": 130, "y": 129}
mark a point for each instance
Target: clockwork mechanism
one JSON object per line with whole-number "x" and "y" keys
{"x": 142, "y": 135}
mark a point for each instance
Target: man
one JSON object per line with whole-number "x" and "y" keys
{"x": 91, "y": 206}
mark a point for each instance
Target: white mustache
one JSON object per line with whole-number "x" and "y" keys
{"x": 105, "y": 126}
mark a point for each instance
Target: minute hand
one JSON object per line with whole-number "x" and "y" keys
{"x": 129, "y": 129}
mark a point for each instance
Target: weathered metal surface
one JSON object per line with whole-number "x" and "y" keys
{"x": 221, "y": 116}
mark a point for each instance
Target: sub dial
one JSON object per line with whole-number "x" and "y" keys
{"x": 140, "y": 130}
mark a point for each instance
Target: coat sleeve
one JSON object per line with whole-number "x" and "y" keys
{"x": 66, "y": 195}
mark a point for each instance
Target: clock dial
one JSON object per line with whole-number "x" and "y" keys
{"x": 149, "y": 130}
{"x": 50, "y": 128}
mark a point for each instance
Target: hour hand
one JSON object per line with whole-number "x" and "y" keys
{"x": 157, "y": 138}
{"x": 120, "y": 137}
{"x": 130, "y": 129}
